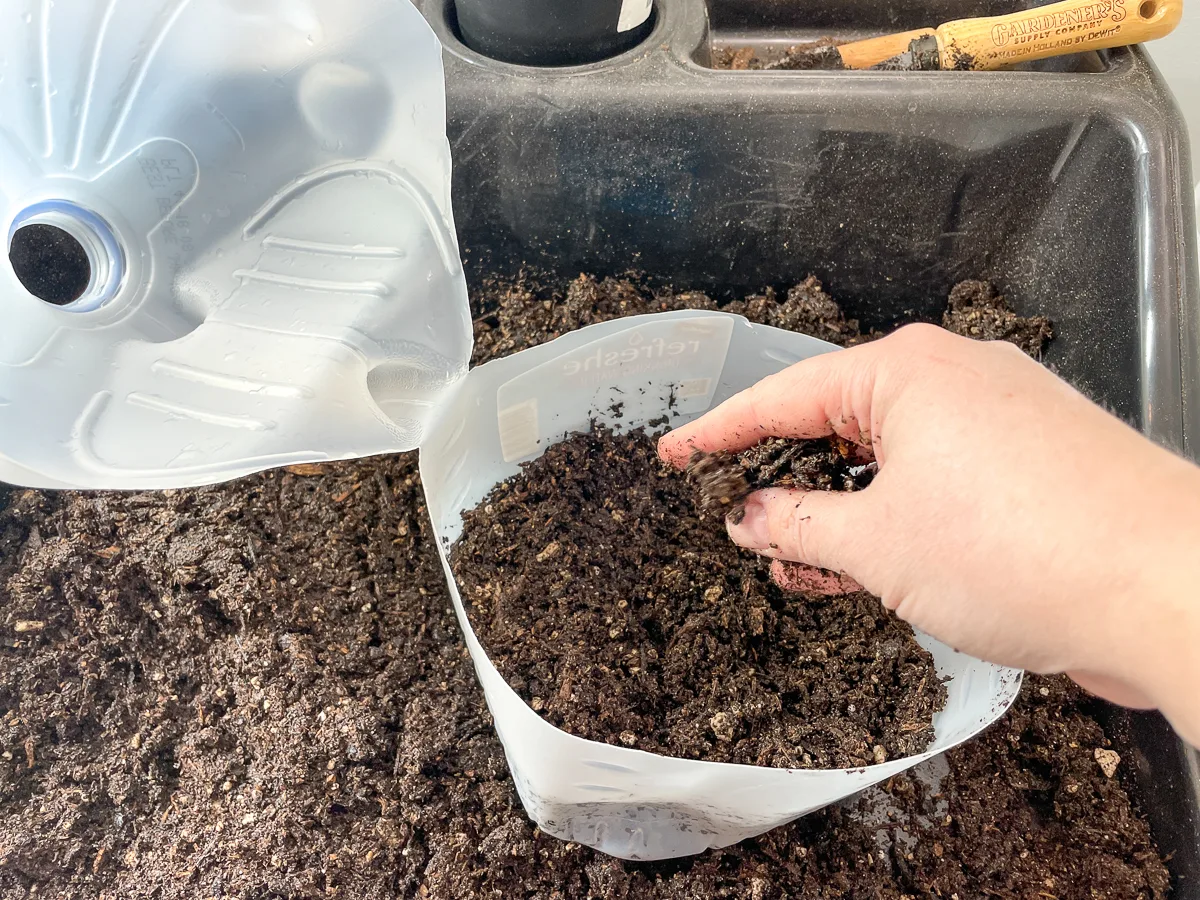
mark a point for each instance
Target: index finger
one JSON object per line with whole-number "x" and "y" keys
{"x": 827, "y": 394}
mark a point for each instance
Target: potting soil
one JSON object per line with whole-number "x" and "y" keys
{"x": 621, "y": 614}
{"x": 259, "y": 690}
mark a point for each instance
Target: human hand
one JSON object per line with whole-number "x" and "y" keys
{"x": 1011, "y": 517}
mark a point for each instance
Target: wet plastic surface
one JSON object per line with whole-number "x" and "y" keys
{"x": 1069, "y": 188}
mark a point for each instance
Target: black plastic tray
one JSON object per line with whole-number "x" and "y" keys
{"x": 1068, "y": 186}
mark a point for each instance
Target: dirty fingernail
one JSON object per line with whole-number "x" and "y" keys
{"x": 752, "y": 532}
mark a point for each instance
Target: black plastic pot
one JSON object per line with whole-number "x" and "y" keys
{"x": 1068, "y": 185}
{"x": 552, "y": 32}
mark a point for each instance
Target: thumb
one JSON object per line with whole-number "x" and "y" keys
{"x": 830, "y": 530}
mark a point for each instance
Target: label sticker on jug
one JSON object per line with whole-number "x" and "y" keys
{"x": 694, "y": 387}
{"x": 519, "y": 433}
{"x": 633, "y": 14}
{"x": 671, "y": 366}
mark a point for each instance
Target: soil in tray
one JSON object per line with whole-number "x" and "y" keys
{"x": 623, "y": 615}
{"x": 259, "y": 690}
{"x": 820, "y": 54}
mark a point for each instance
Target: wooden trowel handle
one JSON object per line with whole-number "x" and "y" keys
{"x": 1073, "y": 26}
{"x": 872, "y": 51}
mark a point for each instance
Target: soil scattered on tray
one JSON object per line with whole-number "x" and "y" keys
{"x": 259, "y": 690}
{"x": 821, "y": 54}
{"x": 621, "y": 615}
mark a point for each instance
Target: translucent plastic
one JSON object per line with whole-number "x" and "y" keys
{"x": 625, "y": 802}
{"x": 262, "y": 188}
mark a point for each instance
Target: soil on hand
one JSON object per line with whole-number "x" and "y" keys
{"x": 259, "y": 690}
{"x": 622, "y": 615}
{"x": 724, "y": 480}
{"x": 721, "y": 485}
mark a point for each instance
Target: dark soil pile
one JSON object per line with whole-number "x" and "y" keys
{"x": 621, "y": 615}
{"x": 977, "y": 311}
{"x": 516, "y": 315}
{"x": 259, "y": 691}
{"x": 805, "y": 308}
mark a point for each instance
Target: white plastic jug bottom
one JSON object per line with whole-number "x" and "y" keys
{"x": 261, "y": 192}
{"x": 628, "y": 803}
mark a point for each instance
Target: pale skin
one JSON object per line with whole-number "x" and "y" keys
{"x": 1011, "y": 518}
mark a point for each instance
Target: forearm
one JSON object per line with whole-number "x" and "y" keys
{"x": 1157, "y": 626}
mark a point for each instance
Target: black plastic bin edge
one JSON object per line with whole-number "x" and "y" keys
{"x": 490, "y": 100}
{"x": 1171, "y": 287}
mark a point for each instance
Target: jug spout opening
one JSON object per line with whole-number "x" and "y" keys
{"x": 66, "y": 255}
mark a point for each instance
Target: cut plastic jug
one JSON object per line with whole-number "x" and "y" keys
{"x": 254, "y": 201}
{"x": 623, "y": 802}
